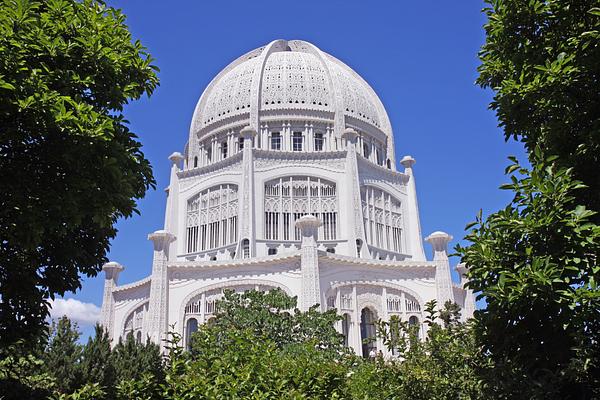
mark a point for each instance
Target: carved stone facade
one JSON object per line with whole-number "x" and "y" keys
{"x": 288, "y": 180}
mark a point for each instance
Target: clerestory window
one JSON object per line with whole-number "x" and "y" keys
{"x": 297, "y": 141}
{"x": 319, "y": 141}
{"x": 275, "y": 141}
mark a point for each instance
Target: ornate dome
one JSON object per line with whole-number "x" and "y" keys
{"x": 289, "y": 78}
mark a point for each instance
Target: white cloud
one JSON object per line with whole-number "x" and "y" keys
{"x": 85, "y": 314}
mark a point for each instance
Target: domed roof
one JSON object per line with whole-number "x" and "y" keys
{"x": 288, "y": 76}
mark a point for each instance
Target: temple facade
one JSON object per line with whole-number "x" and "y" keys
{"x": 288, "y": 180}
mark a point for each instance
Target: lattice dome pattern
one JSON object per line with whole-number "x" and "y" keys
{"x": 288, "y": 76}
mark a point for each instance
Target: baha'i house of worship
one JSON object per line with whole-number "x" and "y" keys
{"x": 288, "y": 180}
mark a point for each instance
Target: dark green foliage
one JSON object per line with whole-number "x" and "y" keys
{"x": 247, "y": 366}
{"x": 536, "y": 264}
{"x": 542, "y": 59}
{"x": 69, "y": 166}
{"x": 62, "y": 357}
{"x": 132, "y": 360}
{"x": 97, "y": 365}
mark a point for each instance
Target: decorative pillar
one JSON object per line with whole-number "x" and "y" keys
{"x": 469, "y": 304}
{"x": 157, "y": 327}
{"x": 111, "y": 275}
{"x": 247, "y": 229}
{"x": 443, "y": 280}
{"x": 172, "y": 209}
{"x": 309, "y": 262}
{"x": 355, "y": 217}
{"x": 414, "y": 225}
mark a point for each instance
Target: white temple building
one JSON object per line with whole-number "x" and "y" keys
{"x": 288, "y": 180}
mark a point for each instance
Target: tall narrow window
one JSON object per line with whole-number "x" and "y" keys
{"x": 367, "y": 331}
{"x": 191, "y": 328}
{"x": 319, "y": 141}
{"x": 246, "y": 248}
{"x": 379, "y": 154}
{"x": 366, "y": 150}
{"x": 346, "y": 329}
{"x": 241, "y": 144}
{"x": 297, "y": 141}
{"x": 209, "y": 154}
{"x": 195, "y": 162}
{"x": 224, "y": 150}
{"x": 275, "y": 141}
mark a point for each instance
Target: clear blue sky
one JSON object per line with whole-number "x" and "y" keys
{"x": 420, "y": 57}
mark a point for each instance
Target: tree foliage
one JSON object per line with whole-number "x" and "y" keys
{"x": 69, "y": 165}
{"x": 448, "y": 364}
{"x": 272, "y": 316}
{"x": 536, "y": 264}
{"x": 542, "y": 59}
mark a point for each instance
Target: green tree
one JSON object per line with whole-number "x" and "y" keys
{"x": 23, "y": 376}
{"x": 62, "y": 357}
{"x": 273, "y": 315}
{"x": 133, "y": 360}
{"x": 69, "y": 165}
{"x": 542, "y": 59}
{"x": 97, "y": 365}
{"x": 448, "y": 364}
{"x": 536, "y": 264}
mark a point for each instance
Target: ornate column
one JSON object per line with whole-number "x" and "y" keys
{"x": 157, "y": 327}
{"x": 111, "y": 275}
{"x": 469, "y": 305}
{"x": 247, "y": 229}
{"x": 172, "y": 209}
{"x": 443, "y": 279}
{"x": 309, "y": 262}
{"x": 356, "y": 216}
{"x": 414, "y": 225}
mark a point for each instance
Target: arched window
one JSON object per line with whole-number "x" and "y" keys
{"x": 246, "y": 248}
{"x": 195, "y": 162}
{"x": 358, "y": 247}
{"x": 212, "y": 218}
{"x": 367, "y": 331}
{"x": 138, "y": 337}
{"x": 192, "y": 326}
{"x": 346, "y": 329}
{"x": 287, "y": 199}
{"x": 382, "y": 215}
{"x": 413, "y": 320}
{"x": 389, "y": 163}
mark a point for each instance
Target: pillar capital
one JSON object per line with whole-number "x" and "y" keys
{"x": 112, "y": 270}
{"x": 308, "y": 225}
{"x": 176, "y": 157}
{"x": 248, "y": 132}
{"x": 408, "y": 161}
{"x": 439, "y": 241}
{"x": 350, "y": 134}
{"x": 161, "y": 239}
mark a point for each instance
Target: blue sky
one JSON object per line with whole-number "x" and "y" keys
{"x": 420, "y": 57}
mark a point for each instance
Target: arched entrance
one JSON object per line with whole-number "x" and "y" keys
{"x": 367, "y": 332}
